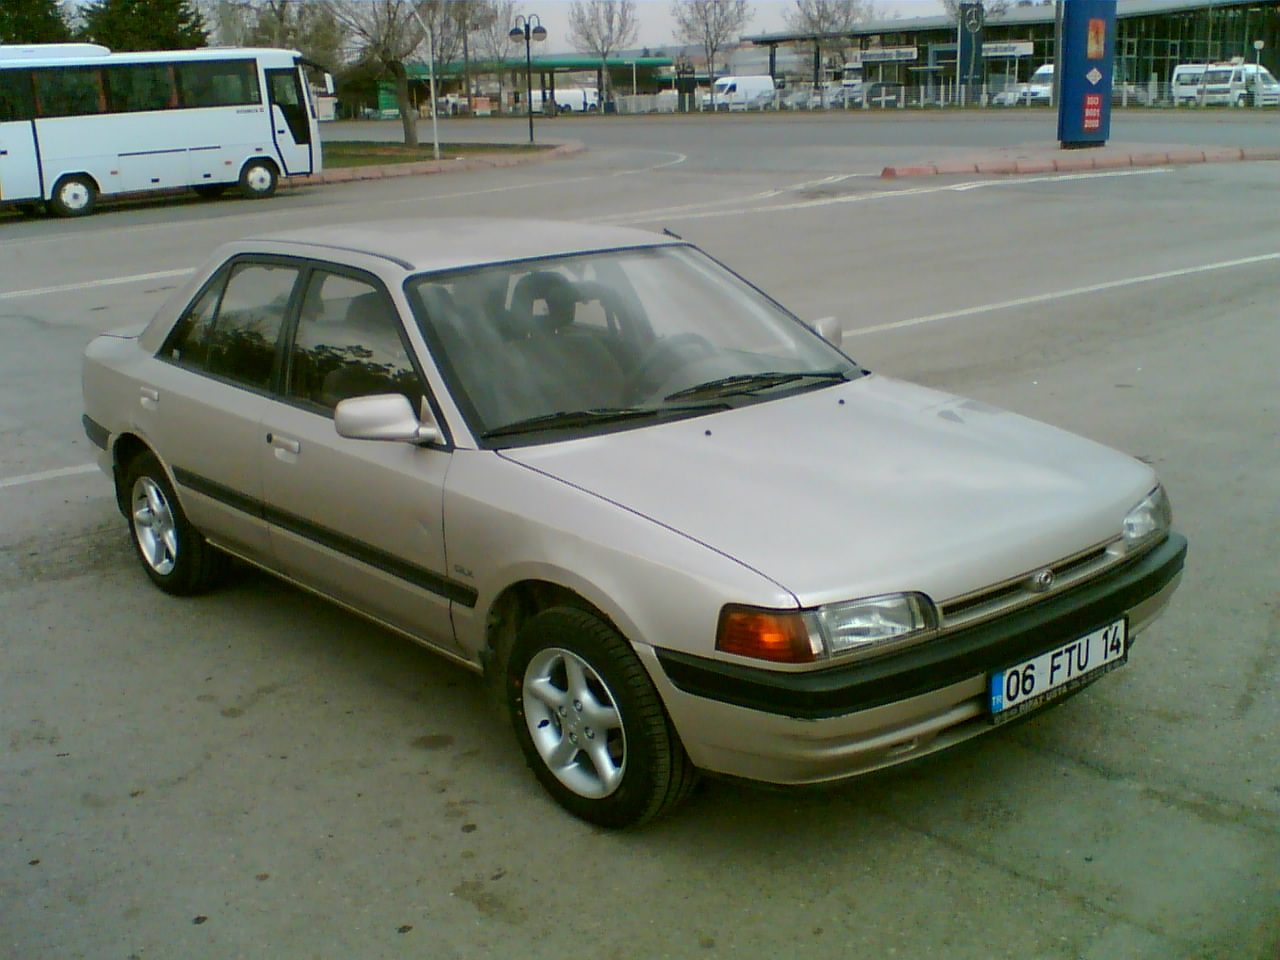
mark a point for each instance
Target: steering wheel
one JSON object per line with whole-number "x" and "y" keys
{"x": 665, "y": 356}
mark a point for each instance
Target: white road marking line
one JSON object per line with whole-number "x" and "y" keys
{"x": 91, "y": 284}
{"x": 679, "y": 158}
{"x": 652, "y": 217}
{"x": 1063, "y": 294}
{"x": 48, "y": 475}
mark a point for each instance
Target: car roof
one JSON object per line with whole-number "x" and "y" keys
{"x": 430, "y": 244}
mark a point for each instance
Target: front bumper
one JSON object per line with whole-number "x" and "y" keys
{"x": 841, "y": 721}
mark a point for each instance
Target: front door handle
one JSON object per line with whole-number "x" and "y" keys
{"x": 287, "y": 444}
{"x": 149, "y": 397}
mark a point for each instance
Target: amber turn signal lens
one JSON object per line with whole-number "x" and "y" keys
{"x": 765, "y": 635}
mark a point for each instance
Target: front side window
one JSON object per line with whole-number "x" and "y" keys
{"x": 218, "y": 83}
{"x": 348, "y": 343}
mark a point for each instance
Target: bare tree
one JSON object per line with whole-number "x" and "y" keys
{"x": 386, "y": 33}
{"x": 493, "y": 37}
{"x": 601, "y": 27}
{"x": 827, "y": 17}
{"x": 710, "y": 24}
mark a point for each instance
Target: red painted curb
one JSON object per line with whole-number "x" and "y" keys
{"x": 1260, "y": 153}
{"x": 955, "y": 167}
{"x": 1113, "y": 162}
{"x": 1187, "y": 156}
{"x": 1224, "y": 153}
{"x": 1149, "y": 159}
{"x": 1036, "y": 166}
{"x": 998, "y": 166}
{"x": 1073, "y": 164}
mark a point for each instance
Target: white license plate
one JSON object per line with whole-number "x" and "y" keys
{"x": 1026, "y": 685}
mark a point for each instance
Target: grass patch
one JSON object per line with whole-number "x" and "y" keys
{"x": 364, "y": 153}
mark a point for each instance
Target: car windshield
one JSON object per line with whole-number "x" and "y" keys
{"x": 541, "y": 350}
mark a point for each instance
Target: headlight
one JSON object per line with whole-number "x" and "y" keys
{"x": 850, "y": 628}
{"x": 1149, "y": 520}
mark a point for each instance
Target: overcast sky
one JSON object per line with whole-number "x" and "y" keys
{"x": 656, "y": 25}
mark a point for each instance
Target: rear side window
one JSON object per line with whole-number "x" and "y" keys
{"x": 16, "y": 99}
{"x": 231, "y": 330}
{"x": 141, "y": 86}
{"x": 69, "y": 92}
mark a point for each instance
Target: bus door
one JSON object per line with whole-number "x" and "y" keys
{"x": 289, "y": 120}
{"x": 19, "y": 158}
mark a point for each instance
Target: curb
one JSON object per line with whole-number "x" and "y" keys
{"x": 1075, "y": 162}
{"x": 388, "y": 170}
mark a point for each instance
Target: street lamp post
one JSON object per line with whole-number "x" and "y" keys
{"x": 528, "y": 28}
{"x": 1257, "y": 76}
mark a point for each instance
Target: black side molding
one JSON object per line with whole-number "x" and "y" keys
{"x": 98, "y": 434}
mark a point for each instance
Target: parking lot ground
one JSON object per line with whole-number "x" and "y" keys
{"x": 256, "y": 773}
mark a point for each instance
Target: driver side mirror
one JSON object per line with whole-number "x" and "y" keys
{"x": 828, "y": 328}
{"x": 384, "y": 416}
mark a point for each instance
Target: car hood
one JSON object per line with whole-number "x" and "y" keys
{"x": 870, "y": 487}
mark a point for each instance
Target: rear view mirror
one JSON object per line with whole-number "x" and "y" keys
{"x": 829, "y": 329}
{"x": 385, "y": 416}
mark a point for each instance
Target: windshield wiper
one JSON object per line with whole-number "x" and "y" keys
{"x": 569, "y": 419}
{"x": 750, "y": 382}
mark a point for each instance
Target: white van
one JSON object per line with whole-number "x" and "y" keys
{"x": 570, "y": 100}
{"x": 741, "y": 93}
{"x": 1184, "y": 84}
{"x": 1038, "y": 90}
{"x": 1239, "y": 85}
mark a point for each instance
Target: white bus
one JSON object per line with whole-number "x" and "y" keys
{"x": 78, "y": 122}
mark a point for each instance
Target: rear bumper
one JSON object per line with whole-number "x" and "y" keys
{"x": 842, "y": 721}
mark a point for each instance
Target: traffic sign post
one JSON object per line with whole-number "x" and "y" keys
{"x": 1085, "y": 71}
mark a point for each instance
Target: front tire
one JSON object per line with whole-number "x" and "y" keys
{"x": 590, "y": 722}
{"x": 172, "y": 552}
{"x": 73, "y": 196}
{"x": 258, "y": 180}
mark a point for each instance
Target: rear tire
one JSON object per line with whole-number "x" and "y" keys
{"x": 173, "y": 553}
{"x": 73, "y": 196}
{"x": 258, "y": 179}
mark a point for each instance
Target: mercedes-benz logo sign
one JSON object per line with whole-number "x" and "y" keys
{"x": 1042, "y": 580}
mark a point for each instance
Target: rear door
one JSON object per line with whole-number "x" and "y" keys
{"x": 19, "y": 158}
{"x": 290, "y": 124}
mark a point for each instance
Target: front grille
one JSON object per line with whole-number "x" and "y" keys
{"x": 1018, "y": 591}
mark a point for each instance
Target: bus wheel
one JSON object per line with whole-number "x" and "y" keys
{"x": 258, "y": 179}
{"x": 73, "y": 196}
{"x": 209, "y": 191}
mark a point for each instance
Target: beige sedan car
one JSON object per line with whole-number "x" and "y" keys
{"x": 678, "y": 529}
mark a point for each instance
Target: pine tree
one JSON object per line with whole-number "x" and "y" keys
{"x": 145, "y": 24}
{"x": 32, "y": 21}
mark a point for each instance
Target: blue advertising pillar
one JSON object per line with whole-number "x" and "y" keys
{"x": 1084, "y": 71}
{"x": 969, "y": 62}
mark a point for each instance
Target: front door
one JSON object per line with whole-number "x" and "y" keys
{"x": 359, "y": 520}
{"x": 289, "y": 121}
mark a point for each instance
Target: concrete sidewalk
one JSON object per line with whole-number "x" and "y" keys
{"x": 457, "y": 165}
{"x": 1051, "y": 158}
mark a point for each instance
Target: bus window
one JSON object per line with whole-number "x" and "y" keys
{"x": 16, "y": 100}
{"x": 141, "y": 86}
{"x": 225, "y": 83}
{"x": 69, "y": 91}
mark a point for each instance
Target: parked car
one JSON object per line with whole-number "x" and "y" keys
{"x": 1185, "y": 83}
{"x": 1037, "y": 91}
{"x": 676, "y": 528}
